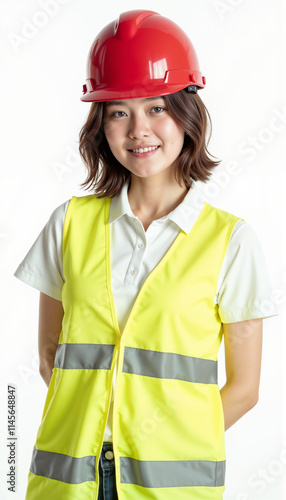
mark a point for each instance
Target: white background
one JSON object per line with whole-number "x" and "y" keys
{"x": 44, "y": 49}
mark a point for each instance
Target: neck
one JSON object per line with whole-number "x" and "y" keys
{"x": 149, "y": 200}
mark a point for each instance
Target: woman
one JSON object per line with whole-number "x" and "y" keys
{"x": 139, "y": 282}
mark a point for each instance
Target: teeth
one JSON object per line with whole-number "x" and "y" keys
{"x": 145, "y": 150}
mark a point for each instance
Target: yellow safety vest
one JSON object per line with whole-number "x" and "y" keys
{"x": 168, "y": 426}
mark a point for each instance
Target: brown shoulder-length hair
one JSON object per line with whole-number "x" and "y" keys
{"x": 106, "y": 175}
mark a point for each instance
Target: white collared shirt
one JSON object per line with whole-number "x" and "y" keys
{"x": 243, "y": 290}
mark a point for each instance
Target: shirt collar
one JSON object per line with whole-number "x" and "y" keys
{"x": 120, "y": 205}
{"x": 184, "y": 215}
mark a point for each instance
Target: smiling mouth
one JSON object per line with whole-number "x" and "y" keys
{"x": 144, "y": 150}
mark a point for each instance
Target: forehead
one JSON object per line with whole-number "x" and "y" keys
{"x": 132, "y": 102}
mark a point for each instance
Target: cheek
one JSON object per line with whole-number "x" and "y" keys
{"x": 173, "y": 132}
{"x": 178, "y": 137}
{"x": 112, "y": 136}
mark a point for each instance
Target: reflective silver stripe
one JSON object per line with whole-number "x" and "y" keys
{"x": 87, "y": 356}
{"x": 168, "y": 474}
{"x": 63, "y": 467}
{"x": 169, "y": 365}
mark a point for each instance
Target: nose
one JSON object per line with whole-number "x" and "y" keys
{"x": 139, "y": 126}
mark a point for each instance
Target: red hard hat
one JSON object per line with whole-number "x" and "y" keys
{"x": 142, "y": 54}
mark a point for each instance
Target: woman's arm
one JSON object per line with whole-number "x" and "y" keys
{"x": 50, "y": 323}
{"x": 243, "y": 349}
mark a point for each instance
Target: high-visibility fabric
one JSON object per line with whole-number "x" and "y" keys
{"x": 168, "y": 427}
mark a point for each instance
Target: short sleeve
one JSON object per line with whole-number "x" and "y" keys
{"x": 244, "y": 291}
{"x": 42, "y": 268}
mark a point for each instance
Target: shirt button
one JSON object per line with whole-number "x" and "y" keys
{"x": 109, "y": 455}
{"x": 140, "y": 245}
{"x": 133, "y": 272}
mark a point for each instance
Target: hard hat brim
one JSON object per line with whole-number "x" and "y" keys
{"x": 116, "y": 94}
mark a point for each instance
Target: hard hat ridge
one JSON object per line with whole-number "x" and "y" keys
{"x": 126, "y": 26}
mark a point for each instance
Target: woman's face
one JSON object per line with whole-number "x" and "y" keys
{"x": 143, "y": 136}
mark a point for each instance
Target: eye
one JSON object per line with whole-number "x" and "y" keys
{"x": 158, "y": 109}
{"x": 118, "y": 114}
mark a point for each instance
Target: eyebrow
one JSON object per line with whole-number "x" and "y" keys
{"x": 122, "y": 103}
